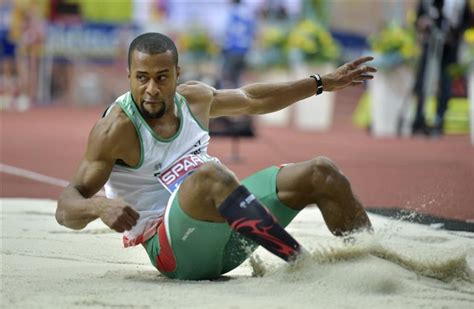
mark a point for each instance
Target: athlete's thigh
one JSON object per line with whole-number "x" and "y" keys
{"x": 294, "y": 184}
{"x": 197, "y": 246}
{"x": 195, "y": 200}
{"x": 205, "y": 189}
{"x": 263, "y": 184}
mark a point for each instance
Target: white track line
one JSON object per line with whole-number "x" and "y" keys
{"x": 8, "y": 169}
{"x": 12, "y": 170}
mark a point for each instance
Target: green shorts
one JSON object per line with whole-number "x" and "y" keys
{"x": 185, "y": 248}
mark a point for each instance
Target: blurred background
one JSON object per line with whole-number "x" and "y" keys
{"x": 405, "y": 138}
{"x": 73, "y": 52}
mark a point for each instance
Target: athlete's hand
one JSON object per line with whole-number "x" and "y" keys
{"x": 350, "y": 74}
{"x": 118, "y": 215}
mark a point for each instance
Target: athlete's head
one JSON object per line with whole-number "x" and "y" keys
{"x": 153, "y": 72}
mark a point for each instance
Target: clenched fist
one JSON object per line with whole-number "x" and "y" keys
{"x": 118, "y": 215}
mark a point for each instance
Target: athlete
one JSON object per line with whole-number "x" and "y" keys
{"x": 195, "y": 219}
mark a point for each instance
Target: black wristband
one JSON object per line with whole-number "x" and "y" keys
{"x": 319, "y": 83}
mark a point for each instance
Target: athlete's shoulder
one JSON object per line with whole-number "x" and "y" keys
{"x": 116, "y": 121}
{"x": 196, "y": 92}
{"x": 112, "y": 132}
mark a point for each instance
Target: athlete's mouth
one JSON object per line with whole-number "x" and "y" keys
{"x": 152, "y": 102}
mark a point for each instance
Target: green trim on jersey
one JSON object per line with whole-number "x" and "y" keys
{"x": 206, "y": 250}
{"x": 184, "y": 101}
{"x": 125, "y": 107}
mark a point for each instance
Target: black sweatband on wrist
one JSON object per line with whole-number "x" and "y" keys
{"x": 319, "y": 83}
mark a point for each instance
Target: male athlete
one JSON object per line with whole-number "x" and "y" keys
{"x": 164, "y": 191}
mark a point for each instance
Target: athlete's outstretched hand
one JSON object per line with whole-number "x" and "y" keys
{"x": 350, "y": 74}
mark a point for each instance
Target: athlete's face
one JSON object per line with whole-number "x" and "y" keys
{"x": 153, "y": 79}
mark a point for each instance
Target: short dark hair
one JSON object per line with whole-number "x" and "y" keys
{"x": 152, "y": 43}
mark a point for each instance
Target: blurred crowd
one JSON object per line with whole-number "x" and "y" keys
{"x": 44, "y": 43}
{"x": 74, "y": 51}
{"x": 23, "y": 33}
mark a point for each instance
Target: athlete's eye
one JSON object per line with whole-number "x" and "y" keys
{"x": 141, "y": 78}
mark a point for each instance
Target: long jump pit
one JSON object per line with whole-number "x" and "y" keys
{"x": 400, "y": 265}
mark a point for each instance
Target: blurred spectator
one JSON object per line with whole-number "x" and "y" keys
{"x": 63, "y": 12}
{"x": 440, "y": 24}
{"x": 238, "y": 40}
{"x": 8, "y": 75}
{"x": 27, "y": 31}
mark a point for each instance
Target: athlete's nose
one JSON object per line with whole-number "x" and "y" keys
{"x": 152, "y": 88}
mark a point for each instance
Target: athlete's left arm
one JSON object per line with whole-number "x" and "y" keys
{"x": 262, "y": 98}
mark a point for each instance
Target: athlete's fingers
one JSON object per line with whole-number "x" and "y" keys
{"x": 126, "y": 217}
{"x": 363, "y": 77}
{"x": 124, "y": 224}
{"x": 117, "y": 227}
{"x": 132, "y": 212}
{"x": 370, "y": 69}
{"x": 363, "y": 70}
{"x": 361, "y": 60}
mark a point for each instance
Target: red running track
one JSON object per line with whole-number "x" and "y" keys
{"x": 434, "y": 177}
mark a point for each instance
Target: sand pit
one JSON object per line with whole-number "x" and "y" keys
{"x": 403, "y": 265}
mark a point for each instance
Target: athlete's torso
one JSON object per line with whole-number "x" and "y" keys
{"x": 163, "y": 165}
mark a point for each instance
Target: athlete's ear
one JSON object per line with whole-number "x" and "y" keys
{"x": 178, "y": 71}
{"x": 128, "y": 73}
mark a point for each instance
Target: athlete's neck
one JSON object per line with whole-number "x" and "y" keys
{"x": 167, "y": 125}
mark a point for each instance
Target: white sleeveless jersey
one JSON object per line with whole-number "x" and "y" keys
{"x": 163, "y": 165}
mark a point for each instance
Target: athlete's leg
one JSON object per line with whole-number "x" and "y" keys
{"x": 213, "y": 193}
{"x": 263, "y": 185}
{"x": 189, "y": 249}
{"x": 319, "y": 181}
{"x": 201, "y": 193}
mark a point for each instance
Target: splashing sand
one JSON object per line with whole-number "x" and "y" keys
{"x": 402, "y": 265}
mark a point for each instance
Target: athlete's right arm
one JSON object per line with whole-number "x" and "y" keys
{"x": 76, "y": 205}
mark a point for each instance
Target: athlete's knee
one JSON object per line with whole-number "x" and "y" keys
{"x": 212, "y": 173}
{"x": 325, "y": 174}
{"x": 205, "y": 189}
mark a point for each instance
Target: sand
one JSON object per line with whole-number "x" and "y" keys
{"x": 403, "y": 265}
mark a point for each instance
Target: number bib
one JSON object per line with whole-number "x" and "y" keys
{"x": 177, "y": 172}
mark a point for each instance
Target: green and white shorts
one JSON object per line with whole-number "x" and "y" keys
{"x": 185, "y": 248}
